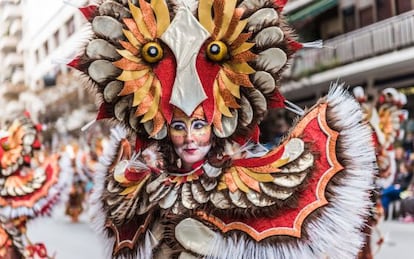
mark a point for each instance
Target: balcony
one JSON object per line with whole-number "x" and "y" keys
{"x": 13, "y": 60}
{"x": 4, "y": 28}
{"x": 394, "y": 34}
{"x": 11, "y": 12}
{"x": 10, "y": 1}
{"x": 17, "y": 77}
{"x": 8, "y": 44}
{"x": 293, "y": 5}
{"x": 5, "y": 74}
{"x": 12, "y": 91}
{"x": 16, "y": 27}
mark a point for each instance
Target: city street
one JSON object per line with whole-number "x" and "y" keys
{"x": 77, "y": 240}
{"x": 66, "y": 239}
{"x": 399, "y": 239}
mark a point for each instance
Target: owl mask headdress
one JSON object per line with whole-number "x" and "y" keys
{"x": 226, "y": 56}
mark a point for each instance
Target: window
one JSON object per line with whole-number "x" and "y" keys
{"x": 349, "y": 18}
{"x": 56, "y": 38}
{"x": 46, "y": 48}
{"x": 403, "y": 6}
{"x": 384, "y": 9}
{"x": 37, "y": 56}
{"x": 366, "y": 16}
{"x": 70, "y": 25}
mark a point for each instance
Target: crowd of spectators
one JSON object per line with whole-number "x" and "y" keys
{"x": 397, "y": 199}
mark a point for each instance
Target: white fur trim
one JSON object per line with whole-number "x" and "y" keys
{"x": 144, "y": 250}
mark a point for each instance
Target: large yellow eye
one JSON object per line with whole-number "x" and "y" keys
{"x": 5, "y": 146}
{"x": 217, "y": 51}
{"x": 152, "y": 52}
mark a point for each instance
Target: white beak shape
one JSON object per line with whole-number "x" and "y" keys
{"x": 185, "y": 36}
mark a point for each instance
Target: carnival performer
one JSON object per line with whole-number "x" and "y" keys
{"x": 27, "y": 189}
{"x": 385, "y": 116}
{"x": 76, "y": 160}
{"x": 75, "y": 203}
{"x": 189, "y": 82}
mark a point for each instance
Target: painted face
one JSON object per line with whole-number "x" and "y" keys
{"x": 191, "y": 138}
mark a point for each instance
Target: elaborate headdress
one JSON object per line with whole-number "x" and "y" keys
{"x": 385, "y": 115}
{"x": 304, "y": 199}
{"x": 225, "y": 56}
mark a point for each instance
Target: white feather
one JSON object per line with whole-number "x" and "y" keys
{"x": 269, "y": 37}
{"x": 191, "y": 5}
{"x": 271, "y": 60}
{"x": 262, "y": 18}
{"x": 102, "y": 70}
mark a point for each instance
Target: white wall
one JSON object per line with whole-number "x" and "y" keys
{"x": 41, "y": 20}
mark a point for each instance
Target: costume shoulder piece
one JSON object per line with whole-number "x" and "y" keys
{"x": 189, "y": 81}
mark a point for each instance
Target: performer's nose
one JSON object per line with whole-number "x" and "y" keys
{"x": 188, "y": 137}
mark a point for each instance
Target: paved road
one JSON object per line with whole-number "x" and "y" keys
{"x": 399, "y": 240}
{"x": 78, "y": 241}
{"x": 68, "y": 240}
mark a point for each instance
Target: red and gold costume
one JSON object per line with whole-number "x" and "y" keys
{"x": 384, "y": 116}
{"x": 306, "y": 198}
{"x": 28, "y": 189}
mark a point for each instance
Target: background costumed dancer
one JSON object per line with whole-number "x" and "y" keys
{"x": 385, "y": 116}
{"x": 29, "y": 187}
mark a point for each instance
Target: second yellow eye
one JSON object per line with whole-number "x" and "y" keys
{"x": 217, "y": 51}
{"x": 152, "y": 52}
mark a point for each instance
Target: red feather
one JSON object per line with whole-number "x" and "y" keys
{"x": 140, "y": 144}
{"x": 104, "y": 112}
{"x": 75, "y": 63}
{"x": 207, "y": 72}
{"x": 281, "y": 4}
{"x": 26, "y": 114}
{"x": 165, "y": 71}
{"x": 294, "y": 45}
{"x": 88, "y": 11}
{"x": 39, "y": 127}
{"x": 256, "y": 134}
{"x": 276, "y": 101}
{"x": 36, "y": 144}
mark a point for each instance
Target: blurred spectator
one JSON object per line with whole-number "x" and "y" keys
{"x": 407, "y": 202}
{"x": 401, "y": 181}
{"x": 408, "y": 143}
{"x": 274, "y": 126}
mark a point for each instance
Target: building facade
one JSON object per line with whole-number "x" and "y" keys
{"x": 11, "y": 54}
{"x": 367, "y": 43}
{"x": 37, "y": 42}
